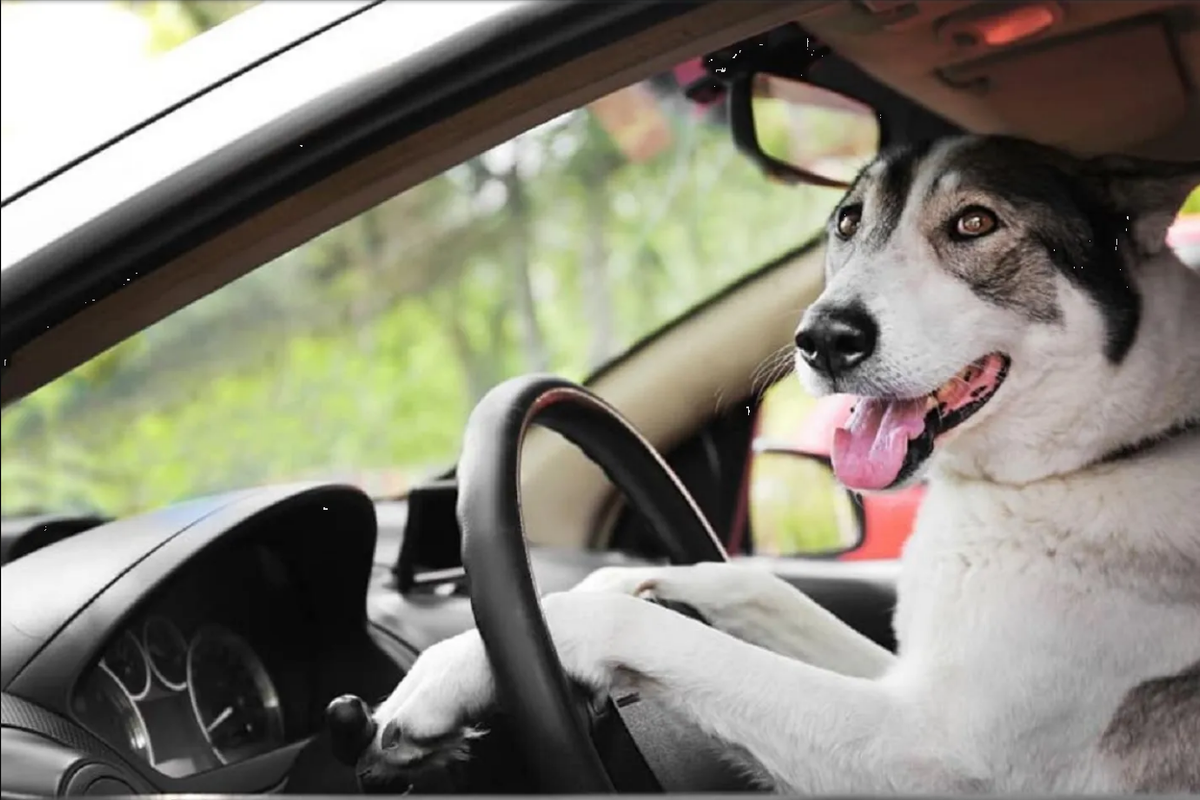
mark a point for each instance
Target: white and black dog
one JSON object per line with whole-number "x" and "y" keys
{"x": 1019, "y": 333}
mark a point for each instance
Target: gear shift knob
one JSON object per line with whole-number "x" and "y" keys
{"x": 351, "y": 728}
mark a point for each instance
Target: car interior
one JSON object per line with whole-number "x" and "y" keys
{"x": 129, "y": 644}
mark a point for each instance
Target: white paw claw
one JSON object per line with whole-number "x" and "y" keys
{"x": 409, "y": 754}
{"x": 427, "y": 719}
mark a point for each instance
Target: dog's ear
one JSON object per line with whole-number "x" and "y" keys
{"x": 1149, "y": 193}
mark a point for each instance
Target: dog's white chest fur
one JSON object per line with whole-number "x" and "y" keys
{"x": 1071, "y": 592}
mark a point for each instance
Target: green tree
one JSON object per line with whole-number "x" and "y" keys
{"x": 358, "y": 355}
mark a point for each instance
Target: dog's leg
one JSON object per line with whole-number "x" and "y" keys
{"x": 811, "y": 729}
{"x": 757, "y": 607}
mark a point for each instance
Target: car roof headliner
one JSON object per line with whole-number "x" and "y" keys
{"x": 1072, "y": 85}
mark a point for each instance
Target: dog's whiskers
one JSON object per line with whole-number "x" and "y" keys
{"x": 770, "y": 371}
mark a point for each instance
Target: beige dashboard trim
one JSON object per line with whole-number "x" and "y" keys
{"x": 567, "y": 500}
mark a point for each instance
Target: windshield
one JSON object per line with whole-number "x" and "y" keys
{"x": 78, "y": 72}
{"x": 358, "y": 356}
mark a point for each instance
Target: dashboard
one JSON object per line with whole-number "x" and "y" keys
{"x": 192, "y": 649}
{"x": 213, "y": 670}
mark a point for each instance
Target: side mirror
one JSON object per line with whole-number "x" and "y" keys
{"x": 796, "y": 507}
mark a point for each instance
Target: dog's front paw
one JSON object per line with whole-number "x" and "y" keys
{"x": 632, "y": 581}
{"x": 427, "y": 721}
{"x": 711, "y": 588}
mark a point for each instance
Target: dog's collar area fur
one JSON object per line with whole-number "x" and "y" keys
{"x": 1141, "y": 446}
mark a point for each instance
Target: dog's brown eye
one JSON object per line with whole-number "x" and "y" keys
{"x": 847, "y": 221}
{"x": 975, "y": 222}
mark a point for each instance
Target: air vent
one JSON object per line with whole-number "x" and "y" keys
{"x": 100, "y": 780}
{"x": 110, "y": 787}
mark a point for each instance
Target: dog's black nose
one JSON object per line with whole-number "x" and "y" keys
{"x": 350, "y": 727}
{"x": 836, "y": 340}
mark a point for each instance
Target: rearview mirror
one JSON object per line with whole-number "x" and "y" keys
{"x": 796, "y": 506}
{"x": 815, "y": 131}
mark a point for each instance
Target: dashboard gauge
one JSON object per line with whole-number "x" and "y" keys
{"x": 104, "y": 706}
{"x": 126, "y": 660}
{"x": 233, "y": 698}
{"x": 166, "y": 651}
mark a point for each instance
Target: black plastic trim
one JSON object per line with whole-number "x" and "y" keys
{"x": 20, "y": 537}
{"x": 101, "y": 561}
{"x": 333, "y": 525}
{"x": 22, "y": 715}
{"x": 138, "y": 236}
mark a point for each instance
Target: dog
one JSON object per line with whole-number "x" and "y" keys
{"x": 1018, "y": 333}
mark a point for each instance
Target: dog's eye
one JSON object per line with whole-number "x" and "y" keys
{"x": 975, "y": 222}
{"x": 847, "y": 221}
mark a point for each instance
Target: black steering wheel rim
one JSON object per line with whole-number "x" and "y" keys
{"x": 529, "y": 676}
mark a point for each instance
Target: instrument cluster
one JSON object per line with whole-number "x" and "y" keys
{"x": 184, "y": 687}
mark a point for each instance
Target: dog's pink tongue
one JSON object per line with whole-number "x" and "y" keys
{"x": 869, "y": 451}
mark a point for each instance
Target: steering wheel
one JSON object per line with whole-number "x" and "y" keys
{"x": 529, "y": 676}
{"x": 528, "y": 673}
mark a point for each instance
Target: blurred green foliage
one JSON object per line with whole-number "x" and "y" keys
{"x": 1192, "y": 204}
{"x": 358, "y": 355}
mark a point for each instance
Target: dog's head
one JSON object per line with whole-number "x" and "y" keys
{"x": 974, "y": 286}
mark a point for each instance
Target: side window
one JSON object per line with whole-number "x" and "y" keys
{"x": 794, "y": 504}
{"x": 358, "y": 356}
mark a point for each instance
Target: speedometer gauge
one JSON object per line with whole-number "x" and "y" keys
{"x": 126, "y": 660}
{"x": 233, "y": 698}
{"x": 166, "y": 650}
{"x": 104, "y": 706}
